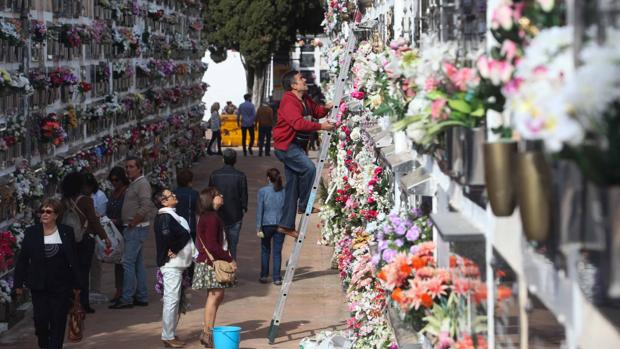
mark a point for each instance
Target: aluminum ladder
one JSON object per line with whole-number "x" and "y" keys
{"x": 325, "y": 142}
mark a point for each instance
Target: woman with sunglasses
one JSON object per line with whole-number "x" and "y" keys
{"x": 212, "y": 245}
{"x": 175, "y": 250}
{"x": 114, "y": 210}
{"x": 47, "y": 265}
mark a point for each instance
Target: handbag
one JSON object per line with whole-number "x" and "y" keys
{"x": 76, "y": 320}
{"x": 224, "y": 271}
{"x": 114, "y": 254}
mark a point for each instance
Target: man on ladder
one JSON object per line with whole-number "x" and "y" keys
{"x": 291, "y": 136}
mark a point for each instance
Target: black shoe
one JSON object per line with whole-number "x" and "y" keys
{"x": 89, "y": 310}
{"x": 251, "y": 152}
{"x": 140, "y": 303}
{"x": 260, "y": 154}
{"x": 277, "y": 282}
{"x": 119, "y": 305}
{"x": 115, "y": 300}
{"x": 263, "y": 280}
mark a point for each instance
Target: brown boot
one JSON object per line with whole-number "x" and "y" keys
{"x": 290, "y": 232}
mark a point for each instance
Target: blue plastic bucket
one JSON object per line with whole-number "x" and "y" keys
{"x": 226, "y": 337}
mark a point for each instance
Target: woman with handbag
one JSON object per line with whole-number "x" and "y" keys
{"x": 47, "y": 265}
{"x": 215, "y": 267}
{"x": 175, "y": 250}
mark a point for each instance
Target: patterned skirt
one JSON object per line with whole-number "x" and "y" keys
{"x": 204, "y": 277}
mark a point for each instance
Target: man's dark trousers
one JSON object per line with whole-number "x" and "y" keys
{"x": 244, "y": 130}
{"x": 264, "y": 140}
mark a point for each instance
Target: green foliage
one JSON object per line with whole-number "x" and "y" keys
{"x": 259, "y": 28}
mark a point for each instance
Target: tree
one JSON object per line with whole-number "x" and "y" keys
{"x": 258, "y": 29}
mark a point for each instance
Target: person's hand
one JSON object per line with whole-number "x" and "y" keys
{"x": 234, "y": 266}
{"x": 260, "y": 234}
{"x": 328, "y": 126}
{"x": 329, "y": 105}
{"x": 171, "y": 254}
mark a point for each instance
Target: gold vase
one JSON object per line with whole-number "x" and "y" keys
{"x": 534, "y": 194}
{"x": 499, "y": 170}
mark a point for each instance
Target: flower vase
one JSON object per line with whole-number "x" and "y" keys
{"x": 613, "y": 220}
{"x": 454, "y": 151}
{"x": 499, "y": 170}
{"x": 534, "y": 194}
{"x": 473, "y": 156}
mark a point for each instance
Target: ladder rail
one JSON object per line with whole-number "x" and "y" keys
{"x": 325, "y": 143}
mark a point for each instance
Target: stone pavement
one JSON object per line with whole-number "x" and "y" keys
{"x": 315, "y": 303}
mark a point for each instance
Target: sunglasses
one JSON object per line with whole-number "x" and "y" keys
{"x": 170, "y": 196}
{"x": 48, "y": 211}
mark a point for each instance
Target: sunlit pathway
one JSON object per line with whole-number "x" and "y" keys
{"x": 315, "y": 303}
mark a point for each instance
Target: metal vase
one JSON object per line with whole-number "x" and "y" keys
{"x": 473, "y": 156}
{"x": 613, "y": 220}
{"x": 499, "y": 170}
{"x": 534, "y": 194}
{"x": 454, "y": 151}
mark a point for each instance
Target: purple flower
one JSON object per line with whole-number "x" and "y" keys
{"x": 417, "y": 212}
{"x": 383, "y": 244}
{"x": 399, "y": 242}
{"x": 389, "y": 254}
{"x": 393, "y": 346}
{"x": 375, "y": 259}
{"x": 400, "y": 230}
{"x": 413, "y": 233}
{"x": 413, "y": 249}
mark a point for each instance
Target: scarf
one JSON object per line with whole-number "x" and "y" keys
{"x": 171, "y": 211}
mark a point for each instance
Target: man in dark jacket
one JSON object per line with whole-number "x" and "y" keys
{"x": 291, "y": 136}
{"x": 233, "y": 185}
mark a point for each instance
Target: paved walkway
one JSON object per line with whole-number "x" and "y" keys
{"x": 315, "y": 303}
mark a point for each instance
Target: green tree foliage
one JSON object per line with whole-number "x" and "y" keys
{"x": 258, "y": 28}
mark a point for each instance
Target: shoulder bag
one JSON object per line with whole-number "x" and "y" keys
{"x": 224, "y": 271}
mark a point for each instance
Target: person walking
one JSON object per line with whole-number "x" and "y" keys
{"x": 264, "y": 117}
{"x": 187, "y": 199}
{"x": 233, "y": 184}
{"x": 211, "y": 243}
{"x": 100, "y": 200}
{"x": 291, "y": 136}
{"x": 270, "y": 201}
{"x": 216, "y": 134}
{"x": 246, "y": 116}
{"x": 80, "y": 214}
{"x": 48, "y": 265}
{"x": 230, "y": 108}
{"x": 114, "y": 211}
{"x": 136, "y": 214}
{"x": 175, "y": 251}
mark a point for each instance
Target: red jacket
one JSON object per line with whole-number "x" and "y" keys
{"x": 290, "y": 119}
{"x": 209, "y": 235}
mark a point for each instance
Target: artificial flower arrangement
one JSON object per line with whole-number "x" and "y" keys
{"x": 338, "y": 12}
{"x": 70, "y": 117}
{"x": 51, "y": 130}
{"x": 13, "y": 132}
{"x": 100, "y": 32}
{"x": 14, "y": 82}
{"x": 84, "y": 87}
{"x": 39, "y": 79}
{"x": 438, "y": 299}
{"x": 8, "y": 248}
{"x": 62, "y": 77}
{"x": 102, "y": 72}
{"x": 6, "y": 289}
{"x": 73, "y": 36}
{"x": 38, "y": 31}
{"x": 126, "y": 40}
{"x": 28, "y": 186}
{"x": 10, "y": 31}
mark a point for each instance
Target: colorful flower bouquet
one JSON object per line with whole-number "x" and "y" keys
{"x": 62, "y": 77}
{"x": 10, "y": 31}
{"x": 8, "y": 248}
{"x": 51, "y": 130}
{"x": 38, "y": 31}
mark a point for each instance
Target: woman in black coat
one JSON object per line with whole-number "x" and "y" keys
{"x": 47, "y": 265}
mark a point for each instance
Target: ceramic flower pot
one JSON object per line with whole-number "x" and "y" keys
{"x": 454, "y": 151}
{"x": 499, "y": 170}
{"x": 534, "y": 194}
{"x": 473, "y": 156}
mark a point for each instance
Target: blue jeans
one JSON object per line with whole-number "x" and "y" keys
{"x": 232, "y": 235}
{"x": 264, "y": 139}
{"x": 299, "y": 172}
{"x": 134, "y": 274}
{"x": 270, "y": 231}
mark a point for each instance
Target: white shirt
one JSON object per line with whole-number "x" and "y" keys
{"x": 100, "y": 201}
{"x": 53, "y": 238}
